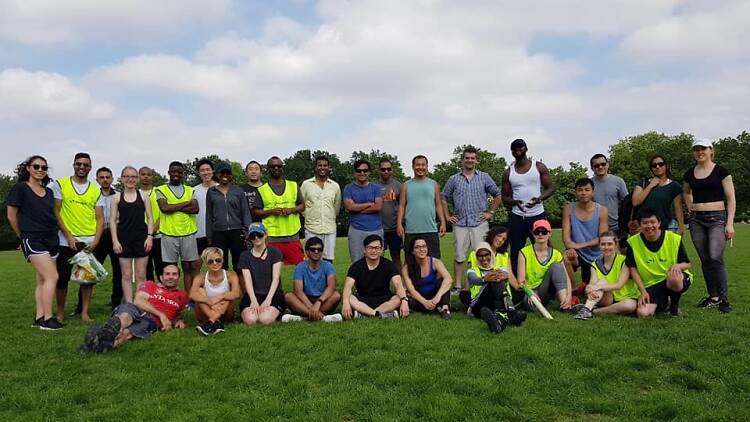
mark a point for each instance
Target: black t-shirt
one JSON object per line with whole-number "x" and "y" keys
{"x": 654, "y": 246}
{"x": 708, "y": 189}
{"x": 260, "y": 269}
{"x": 372, "y": 283}
{"x": 35, "y": 215}
{"x": 251, "y": 196}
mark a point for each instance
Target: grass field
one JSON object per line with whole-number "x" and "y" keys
{"x": 611, "y": 368}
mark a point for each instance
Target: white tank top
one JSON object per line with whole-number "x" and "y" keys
{"x": 526, "y": 186}
{"x": 216, "y": 290}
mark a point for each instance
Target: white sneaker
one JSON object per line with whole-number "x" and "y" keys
{"x": 388, "y": 315}
{"x": 357, "y": 315}
{"x": 333, "y": 318}
{"x": 291, "y": 318}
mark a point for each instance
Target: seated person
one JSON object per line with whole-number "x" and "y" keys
{"x": 428, "y": 282}
{"x": 315, "y": 292}
{"x": 610, "y": 286}
{"x": 659, "y": 266}
{"x": 214, "y": 293}
{"x": 541, "y": 269}
{"x": 263, "y": 301}
{"x": 497, "y": 238}
{"x": 371, "y": 276}
{"x": 157, "y": 306}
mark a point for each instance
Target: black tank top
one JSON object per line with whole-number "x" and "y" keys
{"x": 131, "y": 223}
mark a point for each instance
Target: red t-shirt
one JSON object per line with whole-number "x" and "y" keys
{"x": 169, "y": 301}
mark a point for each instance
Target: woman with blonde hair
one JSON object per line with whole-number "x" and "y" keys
{"x": 214, "y": 293}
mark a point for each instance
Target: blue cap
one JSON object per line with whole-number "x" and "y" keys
{"x": 256, "y": 228}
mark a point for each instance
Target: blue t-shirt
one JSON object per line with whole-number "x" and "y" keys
{"x": 314, "y": 282}
{"x": 362, "y": 195}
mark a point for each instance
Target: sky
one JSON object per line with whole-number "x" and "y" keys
{"x": 146, "y": 82}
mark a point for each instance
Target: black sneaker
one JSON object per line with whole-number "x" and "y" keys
{"x": 218, "y": 327}
{"x": 445, "y": 314}
{"x": 708, "y": 302}
{"x": 516, "y": 317}
{"x": 490, "y": 318}
{"x": 37, "y": 322}
{"x": 724, "y": 307}
{"x": 51, "y": 324}
{"x": 108, "y": 333}
{"x": 91, "y": 339}
{"x": 584, "y": 314}
{"x": 205, "y": 329}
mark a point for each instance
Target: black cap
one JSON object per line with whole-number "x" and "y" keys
{"x": 518, "y": 143}
{"x": 223, "y": 167}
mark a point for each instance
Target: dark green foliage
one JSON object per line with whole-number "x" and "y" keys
{"x": 629, "y": 158}
{"x": 734, "y": 154}
{"x": 564, "y": 181}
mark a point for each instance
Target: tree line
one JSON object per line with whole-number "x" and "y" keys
{"x": 629, "y": 159}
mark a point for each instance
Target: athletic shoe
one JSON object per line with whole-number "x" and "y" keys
{"x": 333, "y": 318}
{"x": 51, "y": 324}
{"x": 108, "y": 333}
{"x": 190, "y": 306}
{"x": 388, "y": 315}
{"x": 708, "y": 302}
{"x": 37, "y": 322}
{"x": 577, "y": 307}
{"x": 291, "y": 318}
{"x": 218, "y": 327}
{"x": 455, "y": 291}
{"x": 445, "y": 314}
{"x": 206, "y": 329}
{"x": 91, "y": 339}
{"x": 584, "y": 314}
{"x": 724, "y": 307}
{"x": 490, "y": 318}
{"x": 516, "y": 317}
{"x": 356, "y": 315}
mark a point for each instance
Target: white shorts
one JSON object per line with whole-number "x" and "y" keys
{"x": 466, "y": 239}
{"x": 329, "y": 243}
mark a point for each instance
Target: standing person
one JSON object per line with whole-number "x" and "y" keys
{"x": 427, "y": 281}
{"x": 322, "y": 204}
{"x": 214, "y": 293}
{"x": 252, "y": 172}
{"x": 79, "y": 209}
{"x": 582, "y": 222}
{"x": 315, "y": 294}
{"x": 155, "y": 264}
{"x": 263, "y": 301}
{"x": 279, "y": 205}
{"x": 661, "y": 194}
{"x": 31, "y": 215}
{"x": 227, "y": 216}
{"x": 105, "y": 248}
{"x": 132, "y": 226}
{"x": 390, "y": 189}
{"x": 363, "y": 200}
{"x": 178, "y": 208}
{"x": 659, "y": 266}
{"x": 609, "y": 190}
{"x": 205, "y": 169}
{"x": 419, "y": 203}
{"x": 526, "y": 184}
{"x": 709, "y": 196}
{"x": 468, "y": 191}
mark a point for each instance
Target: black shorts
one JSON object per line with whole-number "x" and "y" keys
{"x": 585, "y": 270}
{"x": 133, "y": 250}
{"x": 277, "y": 301}
{"x": 40, "y": 244}
{"x": 201, "y": 243}
{"x": 659, "y": 292}
{"x": 374, "y": 301}
{"x": 392, "y": 242}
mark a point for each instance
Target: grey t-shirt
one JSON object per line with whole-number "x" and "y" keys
{"x": 389, "y": 211}
{"x": 610, "y": 192}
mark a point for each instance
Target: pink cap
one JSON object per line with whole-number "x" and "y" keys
{"x": 541, "y": 223}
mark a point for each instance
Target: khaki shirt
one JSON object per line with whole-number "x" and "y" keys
{"x": 321, "y": 205}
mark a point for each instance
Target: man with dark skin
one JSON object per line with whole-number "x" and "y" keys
{"x": 526, "y": 184}
{"x": 227, "y": 216}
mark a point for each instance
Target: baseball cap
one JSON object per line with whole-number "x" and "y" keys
{"x": 222, "y": 166}
{"x": 518, "y": 143}
{"x": 256, "y": 228}
{"x": 541, "y": 223}
{"x": 703, "y": 143}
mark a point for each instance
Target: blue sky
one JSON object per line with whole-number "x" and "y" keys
{"x": 144, "y": 83}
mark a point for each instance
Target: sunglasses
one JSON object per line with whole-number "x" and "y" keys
{"x": 254, "y": 236}
{"x": 362, "y": 170}
{"x": 84, "y": 165}
{"x": 541, "y": 232}
{"x": 315, "y": 250}
{"x": 599, "y": 165}
{"x": 215, "y": 261}
{"x": 386, "y": 169}
{"x": 41, "y": 167}
{"x": 659, "y": 164}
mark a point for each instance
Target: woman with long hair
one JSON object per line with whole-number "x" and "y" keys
{"x": 709, "y": 195}
{"x": 214, "y": 293}
{"x": 661, "y": 194}
{"x": 132, "y": 226}
{"x": 427, "y": 281}
{"x": 31, "y": 215}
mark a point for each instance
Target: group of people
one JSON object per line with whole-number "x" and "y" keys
{"x": 147, "y": 231}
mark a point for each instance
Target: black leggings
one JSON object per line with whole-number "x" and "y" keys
{"x": 229, "y": 241}
{"x": 445, "y": 299}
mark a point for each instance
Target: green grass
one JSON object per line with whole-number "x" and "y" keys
{"x": 610, "y": 368}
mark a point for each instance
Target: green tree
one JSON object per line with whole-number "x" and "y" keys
{"x": 629, "y": 157}
{"x": 8, "y": 238}
{"x": 374, "y": 157}
{"x": 734, "y": 155}
{"x": 564, "y": 181}
{"x": 191, "y": 171}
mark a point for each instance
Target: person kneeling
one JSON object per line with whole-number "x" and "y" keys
{"x": 371, "y": 276}
{"x": 157, "y": 307}
{"x": 214, "y": 293}
{"x": 610, "y": 286}
{"x": 315, "y": 292}
{"x": 427, "y": 281}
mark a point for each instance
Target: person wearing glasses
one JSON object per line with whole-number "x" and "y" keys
{"x": 390, "y": 189}
{"x": 427, "y": 281}
{"x": 279, "y": 206}
{"x": 263, "y": 301}
{"x": 709, "y": 196}
{"x": 363, "y": 200}
{"x": 314, "y": 295}
{"x": 214, "y": 293}
{"x": 79, "y": 208}
{"x": 541, "y": 268}
{"x": 609, "y": 190}
{"x": 31, "y": 215}
{"x": 661, "y": 194}
{"x": 322, "y": 205}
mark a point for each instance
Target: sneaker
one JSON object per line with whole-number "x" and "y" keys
{"x": 333, "y": 318}
{"x": 490, "y": 318}
{"x": 91, "y": 339}
{"x": 388, "y": 315}
{"x": 37, "y": 322}
{"x": 577, "y": 308}
{"x": 455, "y": 291}
{"x": 108, "y": 333}
{"x": 190, "y": 307}
{"x": 291, "y": 318}
{"x": 51, "y": 324}
{"x": 218, "y": 327}
{"x": 445, "y": 314}
{"x": 357, "y": 315}
{"x": 584, "y": 314}
{"x": 724, "y": 307}
{"x": 206, "y": 329}
{"x": 516, "y": 317}
{"x": 708, "y": 302}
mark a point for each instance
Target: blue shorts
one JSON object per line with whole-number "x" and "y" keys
{"x": 143, "y": 322}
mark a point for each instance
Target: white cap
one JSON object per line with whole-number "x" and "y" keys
{"x": 703, "y": 143}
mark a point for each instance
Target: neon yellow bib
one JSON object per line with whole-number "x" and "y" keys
{"x": 78, "y": 211}
{"x": 629, "y": 290}
{"x": 501, "y": 262}
{"x": 280, "y": 225}
{"x": 177, "y": 224}
{"x": 653, "y": 266}
{"x": 535, "y": 270}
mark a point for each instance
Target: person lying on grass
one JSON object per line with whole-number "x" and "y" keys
{"x": 428, "y": 282}
{"x": 372, "y": 276}
{"x": 156, "y": 307}
{"x": 659, "y": 266}
{"x": 214, "y": 293}
{"x": 489, "y": 279}
{"x": 315, "y": 292}
{"x": 263, "y": 301}
{"x": 610, "y": 286}
{"x": 541, "y": 269}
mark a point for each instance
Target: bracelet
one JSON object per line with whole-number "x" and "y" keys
{"x": 405, "y": 299}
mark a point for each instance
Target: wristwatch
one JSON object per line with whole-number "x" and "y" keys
{"x": 405, "y": 299}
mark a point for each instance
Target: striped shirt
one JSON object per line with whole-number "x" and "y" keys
{"x": 469, "y": 196}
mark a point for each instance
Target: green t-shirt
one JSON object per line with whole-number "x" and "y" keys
{"x": 660, "y": 200}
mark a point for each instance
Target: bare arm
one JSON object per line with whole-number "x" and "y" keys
{"x": 275, "y": 281}
{"x": 401, "y": 292}
{"x": 330, "y": 288}
{"x": 679, "y": 214}
{"x": 61, "y": 225}
{"x": 346, "y": 307}
{"x": 548, "y": 188}
{"x": 445, "y": 276}
{"x": 141, "y": 301}
{"x": 413, "y": 292}
{"x": 521, "y": 269}
{"x": 12, "y": 213}
{"x": 507, "y": 191}
{"x": 234, "y": 292}
{"x": 190, "y": 207}
{"x": 687, "y": 195}
{"x": 567, "y": 240}
{"x": 248, "y": 279}
{"x": 401, "y": 211}
{"x": 299, "y": 291}
{"x": 99, "y": 226}
{"x": 197, "y": 293}
{"x": 728, "y": 187}
{"x": 352, "y": 206}
{"x": 439, "y": 210}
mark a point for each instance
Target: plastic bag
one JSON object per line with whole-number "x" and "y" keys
{"x": 86, "y": 269}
